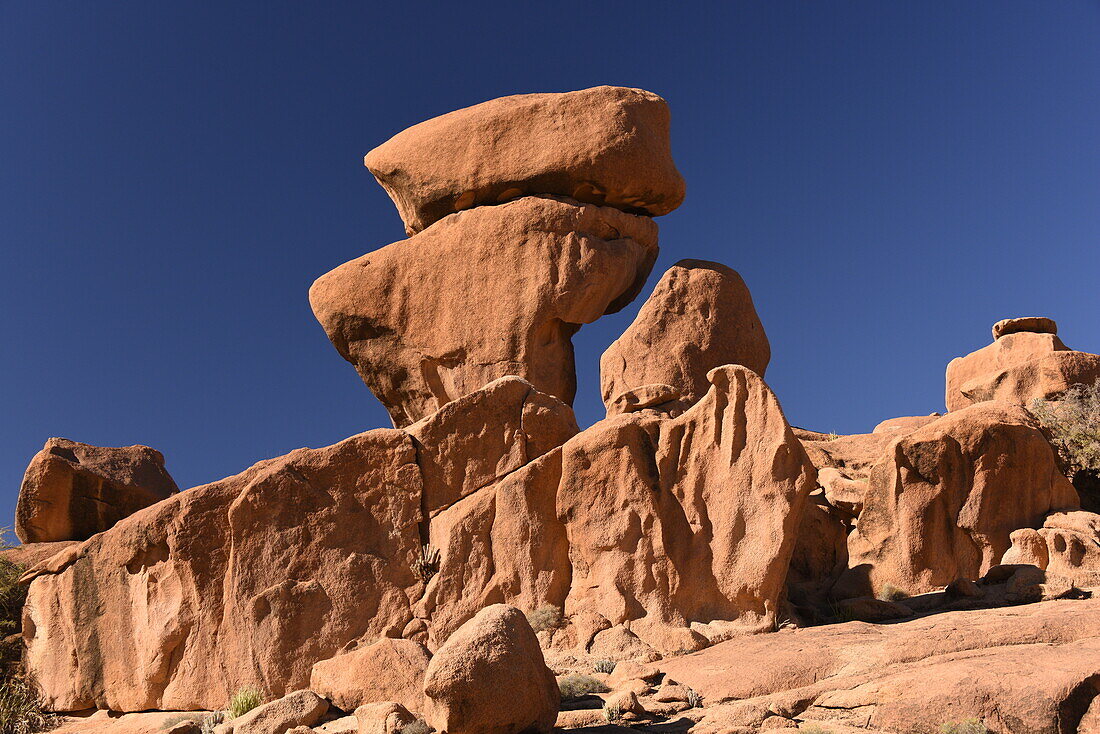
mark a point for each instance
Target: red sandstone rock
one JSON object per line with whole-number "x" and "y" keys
{"x": 699, "y": 316}
{"x": 387, "y": 670}
{"x": 605, "y": 145}
{"x": 1067, "y": 545}
{"x": 663, "y": 397}
{"x": 31, "y": 554}
{"x": 301, "y": 708}
{"x": 490, "y": 292}
{"x": 72, "y": 490}
{"x": 1033, "y": 324}
{"x": 906, "y": 424}
{"x": 490, "y": 678}
{"x": 943, "y": 500}
{"x": 383, "y": 718}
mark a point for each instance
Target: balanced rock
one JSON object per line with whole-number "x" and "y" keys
{"x": 1067, "y": 545}
{"x": 606, "y": 145}
{"x": 490, "y": 678}
{"x": 699, "y": 316}
{"x": 486, "y": 293}
{"x": 387, "y": 670}
{"x": 1026, "y": 361}
{"x": 943, "y": 500}
{"x": 71, "y": 490}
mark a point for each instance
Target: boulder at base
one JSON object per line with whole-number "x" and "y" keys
{"x": 387, "y": 670}
{"x": 72, "y": 490}
{"x": 490, "y": 678}
{"x": 1067, "y": 545}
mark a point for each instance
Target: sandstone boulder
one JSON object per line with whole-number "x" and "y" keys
{"x": 246, "y": 581}
{"x": 387, "y": 670}
{"x": 490, "y": 678}
{"x": 301, "y": 708}
{"x": 1067, "y": 545}
{"x": 699, "y": 316}
{"x": 664, "y": 397}
{"x": 486, "y": 293}
{"x": 943, "y": 500}
{"x": 384, "y": 717}
{"x": 72, "y": 490}
{"x": 606, "y": 145}
{"x": 1026, "y": 361}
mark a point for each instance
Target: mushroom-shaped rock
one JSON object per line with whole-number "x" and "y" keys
{"x": 486, "y": 293}
{"x": 301, "y": 708}
{"x": 699, "y": 316}
{"x": 490, "y": 678}
{"x": 1026, "y": 361}
{"x": 605, "y": 145}
{"x": 942, "y": 501}
{"x": 387, "y": 670}
{"x": 72, "y": 490}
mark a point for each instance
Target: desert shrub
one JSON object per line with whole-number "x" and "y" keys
{"x": 889, "y": 592}
{"x": 603, "y": 666}
{"x": 243, "y": 701}
{"x": 212, "y": 721}
{"x": 1073, "y": 426}
{"x": 812, "y": 729}
{"x": 21, "y": 709}
{"x": 832, "y": 436}
{"x": 694, "y": 699}
{"x": 969, "y": 726}
{"x": 179, "y": 719}
{"x": 611, "y": 713}
{"x": 417, "y": 727}
{"x": 545, "y": 618}
{"x": 427, "y": 563}
{"x": 577, "y": 686}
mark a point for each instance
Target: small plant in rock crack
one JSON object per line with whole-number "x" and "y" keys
{"x": 967, "y": 726}
{"x": 243, "y": 701}
{"x": 694, "y": 699}
{"x": 577, "y": 686}
{"x": 427, "y": 564}
{"x": 211, "y": 721}
{"x": 545, "y": 618}
{"x": 889, "y": 592}
{"x": 603, "y": 666}
{"x": 612, "y": 713}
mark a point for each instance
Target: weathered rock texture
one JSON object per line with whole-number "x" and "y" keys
{"x": 300, "y": 708}
{"x": 1067, "y": 545}
{"x": 387, "y": 670}
{"x": 942, "y": 500}
{"x": 606, "y": 145}
{"x": 72, "y": 490}
{"x": 1026, "y": 360}
{"x": 486, "y": 293}
{"x": 490, "y": 678}
{"x": 699, "y": 316}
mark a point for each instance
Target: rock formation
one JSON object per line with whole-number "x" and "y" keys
{"x": 699, "y": 316}
{"x": 1026, "y": 361}
{"x": 1067, "y": 545}
{"x": 386, "y": 670}
{"x": 606, "y": 145}
{"x": 72, "y": 490}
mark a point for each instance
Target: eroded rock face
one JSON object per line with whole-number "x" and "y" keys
{"x": 386, "y": 670}
{"x": 942, "y": 500}
{"x": 72, "y": 490}
{"x": 1026, "y": 361}
{"x": 489, "y": 292}
{"x": 1067, "y": 545}
{"x": 606, "y": 145}
{"x": 490, "y": 678}
{"x": 699, "y": 316}
{"x": 246, "y": 581}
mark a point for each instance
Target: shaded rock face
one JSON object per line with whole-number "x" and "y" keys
{"x": 71, "y": 490}
{"x": 606, "y": 145}
{"x": 485, "y": 293}
{"x": 942, "y": 500}
{"x": 699, "y": 316}
{"x": 1026, "y": 361}
{"x": 490, "y": 678}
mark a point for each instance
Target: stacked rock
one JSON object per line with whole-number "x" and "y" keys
{"x": 528, "y": 216}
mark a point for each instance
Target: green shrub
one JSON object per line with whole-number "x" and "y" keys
{"x": 603, "y": 666}
{"x": 21, "y": 709}
{"x": 243, "y": 701}
{"x": 889, "y": 592}
{"x": 577, "y": 686}
{"x": 545, "y": 618}
{"x": 1073, "y": 426}
{"x": 969, "y": 726}
{"x": 417, "y": 727}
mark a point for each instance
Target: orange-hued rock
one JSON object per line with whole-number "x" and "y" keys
{"x": 31, "y": 554}
{"x": 72, "y": 490}
{"x": 1027, "y": 668}
{"x": 246, "y": 581}
{"x": 699, "y": 316}
{"x": 297, "y": 709}
{"x": 387, "y": 717}
{"x": 479, "y": 438}
{"x": 1067, "y": 545}
{"x": 606, "y": 145}
{"x": 905, "y": 424}
{"x": 490, "y": 678}
{"x": 662, "y": 397}
{"x": 387, "y": 670}
{"x": 943, "y": 500}
{"x": 1026, "y": 361}
{"x": 486, "y": 293}
{"x": 843, "y": 463}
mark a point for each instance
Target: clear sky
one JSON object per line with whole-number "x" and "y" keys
{"x": 890, "y": 178}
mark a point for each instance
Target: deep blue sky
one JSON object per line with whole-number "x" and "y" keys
{"x": 889, "y": 178}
